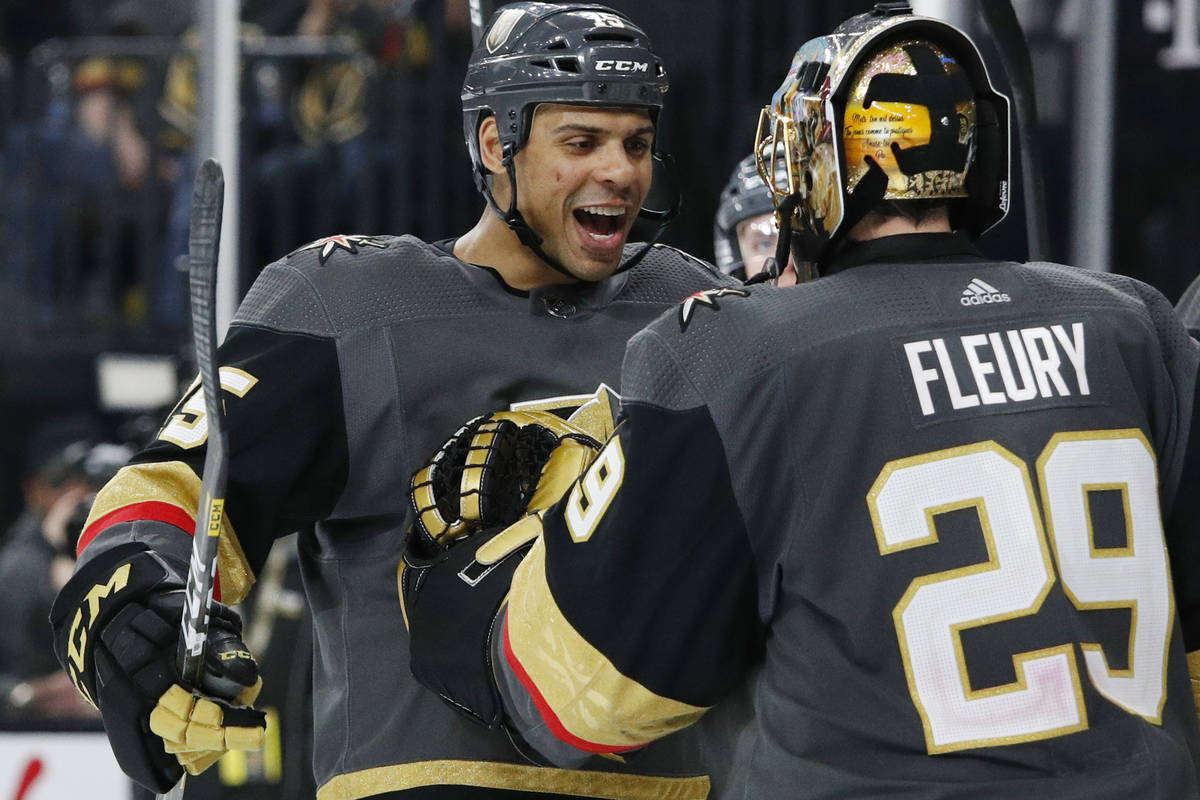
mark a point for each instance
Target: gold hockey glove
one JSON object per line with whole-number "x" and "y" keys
{"x": 493, "y": 470}
{"x": 490, "y": 483}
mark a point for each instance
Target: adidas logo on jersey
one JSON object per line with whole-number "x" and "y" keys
{"x": 980, "y": 293}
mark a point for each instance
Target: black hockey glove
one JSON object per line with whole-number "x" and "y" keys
{"x": 116, "y": 632}
{"x": 478, "y": 505}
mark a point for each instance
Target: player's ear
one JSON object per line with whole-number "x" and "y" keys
{"x": 491, "y": 152}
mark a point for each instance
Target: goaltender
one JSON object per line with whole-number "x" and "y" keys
{"x": 936, "y": 548}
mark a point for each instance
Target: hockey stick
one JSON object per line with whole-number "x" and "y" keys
{"x": 203, "y": 239}
{"x": 1014, "y": 54}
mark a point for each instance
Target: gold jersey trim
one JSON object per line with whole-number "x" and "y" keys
{"x": 513, "y": 777}
{"x": 174, "y": 483}
{"x": 588, "y": 696}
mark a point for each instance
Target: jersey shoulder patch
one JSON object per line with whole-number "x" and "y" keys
{"x": 708, "y": 298}
{"x": 351, "y": 244}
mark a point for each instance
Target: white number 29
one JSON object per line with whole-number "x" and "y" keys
{"x": 1046, "y": 699}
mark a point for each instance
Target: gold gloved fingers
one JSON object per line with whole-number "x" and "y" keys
{"x": 169, "y": 719}
{"x": 198, "y": 731}
{"x": 195, "y": 763}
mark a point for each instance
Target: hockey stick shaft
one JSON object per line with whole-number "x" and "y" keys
{"x": 203, "y": 240}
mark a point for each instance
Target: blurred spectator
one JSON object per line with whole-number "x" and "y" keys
{"x": 105, "y": 117}
{"x": 36, "y": 559}
{"x": 48, "y": 472}
{"x": 78, "y": 157}
{"x": 315, "y": 162}
{"x": 303, "y": 125}
{"x": 87, "y": 198}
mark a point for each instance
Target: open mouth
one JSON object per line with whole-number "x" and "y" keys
{"x": 601, "y": 223}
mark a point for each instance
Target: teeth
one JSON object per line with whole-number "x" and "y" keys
{"x": 603, "y": 211}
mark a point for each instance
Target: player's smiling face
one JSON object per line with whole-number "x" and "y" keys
{"x": 581, "y": 179}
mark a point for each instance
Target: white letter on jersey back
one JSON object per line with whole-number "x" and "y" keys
{"x": 921, "y": 377}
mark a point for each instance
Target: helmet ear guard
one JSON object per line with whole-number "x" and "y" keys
{"x": 665, "y": 199}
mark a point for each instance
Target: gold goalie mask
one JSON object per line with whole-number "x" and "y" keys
{"x": 890, "y": 106}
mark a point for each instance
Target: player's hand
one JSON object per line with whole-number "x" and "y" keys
{"x": 199, "y": 730}
{"x": 490, "y": 482}
{"x": 116, "y": 632}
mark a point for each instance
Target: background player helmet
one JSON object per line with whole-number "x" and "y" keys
{"x": 745, "y": 196}
{"x": 890, "y": 106}
{"x": 574, "y": 53}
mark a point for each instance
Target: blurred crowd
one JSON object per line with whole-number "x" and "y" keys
{"x": 67, "y": 460}
{"x": 98, "y": 105}
{"x": 97, "y": 120}
{"x": 65, "y": 465}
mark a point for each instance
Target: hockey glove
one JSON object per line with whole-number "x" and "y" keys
{"x": 116, "y": 632}
{"x": 490, "y": 482}
{"x": 493, "y": 471}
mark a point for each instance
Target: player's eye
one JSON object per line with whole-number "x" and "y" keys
{"x": 638, "y": 146}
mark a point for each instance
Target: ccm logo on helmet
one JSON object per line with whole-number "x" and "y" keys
{"x": 609, "y": 65}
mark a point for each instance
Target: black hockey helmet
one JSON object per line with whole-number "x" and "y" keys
{"x": 574, "y": 54}
{"x": 890, "y": 106}
{"x": 744, "y": 196}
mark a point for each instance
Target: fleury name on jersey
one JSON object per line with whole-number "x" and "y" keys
{"x": 1015, "y": 365}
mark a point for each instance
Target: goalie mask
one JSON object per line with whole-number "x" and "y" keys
{"x": 890, "y": 106}
{"x": 574, "y": 54}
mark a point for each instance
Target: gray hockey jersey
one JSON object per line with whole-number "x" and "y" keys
{"x": 347, "y": 364}
{"x": 926, "y": 511}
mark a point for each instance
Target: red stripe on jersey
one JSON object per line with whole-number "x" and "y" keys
{"x": 151, "y": 510}
{"x": 155, "y": 510}
{"x": 547, "y": 713}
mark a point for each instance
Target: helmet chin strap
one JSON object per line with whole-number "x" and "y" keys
{"x": 516, "y": 222}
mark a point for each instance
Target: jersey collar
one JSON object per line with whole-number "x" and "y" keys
{"x": 906, "y": 247}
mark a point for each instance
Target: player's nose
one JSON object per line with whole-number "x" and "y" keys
{"x": 614, "y": 165}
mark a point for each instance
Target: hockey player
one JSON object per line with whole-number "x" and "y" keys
{"x": 937, "y": 547}
{"x": 744, "y": 231}
{"x": 345, "y": 365}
